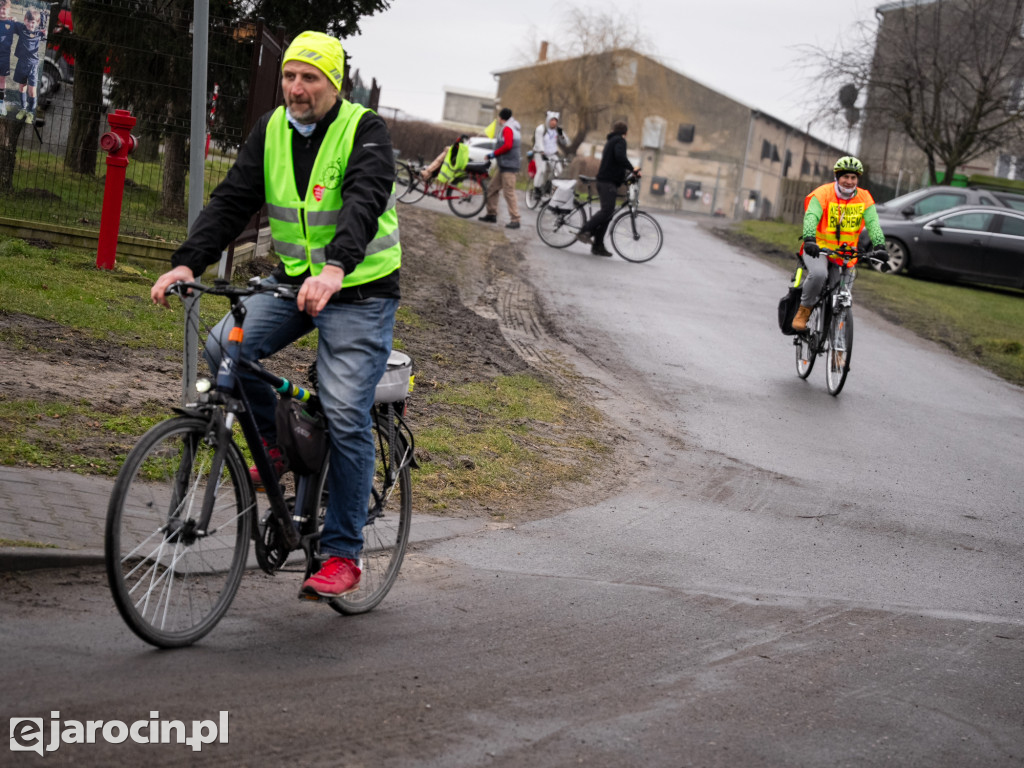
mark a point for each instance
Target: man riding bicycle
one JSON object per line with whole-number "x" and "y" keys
{"x": 547, "y": 138}
{"x": 325, "y": 169}
{"x": 834, "y": 213}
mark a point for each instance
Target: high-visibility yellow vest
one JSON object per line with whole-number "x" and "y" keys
{"x": 455, "y": 160}
{"x": 302, "y": 226}
{"x": 841, "y": 220}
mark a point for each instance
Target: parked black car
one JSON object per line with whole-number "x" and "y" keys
{"x": 979, "y": 243}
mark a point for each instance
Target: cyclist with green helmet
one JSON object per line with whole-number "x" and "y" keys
{"x": 835, "y": 214}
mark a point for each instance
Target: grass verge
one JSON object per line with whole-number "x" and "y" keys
{"x": 493, "y": 439}
{"x": 980, "y": 323}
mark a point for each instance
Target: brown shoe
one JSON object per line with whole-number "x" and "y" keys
{"x": 800, "y": 321}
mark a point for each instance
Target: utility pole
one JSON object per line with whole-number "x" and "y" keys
{"x": 197, "y": 173}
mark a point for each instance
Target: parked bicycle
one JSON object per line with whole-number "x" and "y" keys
{"x": 183, "y": 509}
{"x": 466, "y": 192}
{"x": 635, "y": 235}
{"x": 830, "y": 327}
{"x": 536, "y": 196}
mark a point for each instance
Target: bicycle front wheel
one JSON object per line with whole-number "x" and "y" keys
{"x": 805, "y": 345}
{"x": 840, "y": 348}
{"x": 386, "y": 532}
{"x": 172, "y": 580}
{"x": 467, "y": 195}
{"x": 533, "y": 196}
{"x": 637, "y": 237}
{"x": 559, "y": 230}
{"x": 416, "y": 188}
{"x": 403, "y": 180}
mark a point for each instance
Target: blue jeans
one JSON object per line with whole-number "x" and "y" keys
{"x": 355, "y": 341}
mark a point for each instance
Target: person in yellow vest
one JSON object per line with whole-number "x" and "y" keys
{"x": 835, "y": 213}
{"x": 325, "y": 169}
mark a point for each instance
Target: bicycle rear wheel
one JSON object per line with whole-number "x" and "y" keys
{"x": 171, "y": 581}
{"x": 840, "y": 348}
{"x": 559, "y": 229}
{"x": 637, "y": 237}
{"x": 468, "y": 195}
{"x": 805, "y": 343}
{"x": 386, "y": 532}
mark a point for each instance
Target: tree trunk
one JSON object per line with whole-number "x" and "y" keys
{"x": 172, "y": 195}
{"x": 84, "y": 135}
{"x": 10, "y": 132}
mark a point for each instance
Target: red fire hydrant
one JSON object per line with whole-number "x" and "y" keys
{"x": 119, "y": 143}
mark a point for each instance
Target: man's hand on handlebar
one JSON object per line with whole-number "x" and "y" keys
{"x": 317, "y": 290}
{"x": 180, "y": 274}
{"x": 811, "y": 248}
{"x": 881, "y": 256}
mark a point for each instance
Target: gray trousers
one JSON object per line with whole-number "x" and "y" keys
{"x": 818, "y": 270}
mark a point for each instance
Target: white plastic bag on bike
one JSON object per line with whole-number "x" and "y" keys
{"x": 562, "y": 199}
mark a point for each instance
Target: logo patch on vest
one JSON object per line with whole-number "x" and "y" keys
{"x": 332, "y": 175}
{"x": 318, "y": 192}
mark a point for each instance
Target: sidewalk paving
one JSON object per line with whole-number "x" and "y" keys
{"x": 62, "y": 511}
{"x": 64, "y": 515}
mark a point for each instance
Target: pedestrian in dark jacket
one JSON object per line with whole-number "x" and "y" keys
{"x": 615, "y": 167}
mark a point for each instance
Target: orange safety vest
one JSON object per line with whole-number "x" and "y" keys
{"x": 841, "y": 220}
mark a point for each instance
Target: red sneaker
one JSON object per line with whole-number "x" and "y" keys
{"x": 339, "y": 576}
{"x": 278, "y": 462}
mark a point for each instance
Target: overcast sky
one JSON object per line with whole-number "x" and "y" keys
{"x": 745, "y": 49}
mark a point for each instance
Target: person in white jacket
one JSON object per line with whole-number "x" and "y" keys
{"x": 547, "y": 139}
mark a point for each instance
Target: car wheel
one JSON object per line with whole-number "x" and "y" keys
{"x": 49, "y": 83}
{"x": 899, "y": 259}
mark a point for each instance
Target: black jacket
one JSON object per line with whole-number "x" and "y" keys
{"x": 614, "y": 164}
{"x": 365, "y": 191}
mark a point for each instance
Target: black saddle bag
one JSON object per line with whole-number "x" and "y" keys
{"x": 788, "y": 305}
{"x": 301, "y": 436}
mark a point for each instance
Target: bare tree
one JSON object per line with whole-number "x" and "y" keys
{"x": 948, "y": 74}
{"x": 579, "y": 75}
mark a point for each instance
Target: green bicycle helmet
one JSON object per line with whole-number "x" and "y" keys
{"x": 848, "y": 164}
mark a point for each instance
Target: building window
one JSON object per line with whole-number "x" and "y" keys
{"x": 1009, "y": 167}
{"x": 685, "y": 133}
{"x": 789, "y": 162}
{"x": 805, "y": 167}
{"x": 625, "y": 73}
{"x": 766, "y": 149}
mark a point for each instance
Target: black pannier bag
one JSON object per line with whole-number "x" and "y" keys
{"x": 788, "y": 305}
{"x": 301, "y": 436}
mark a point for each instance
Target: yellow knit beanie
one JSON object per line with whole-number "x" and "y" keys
{"x": 322, "y": 51}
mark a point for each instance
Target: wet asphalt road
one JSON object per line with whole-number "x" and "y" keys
{"x": 791, "y": 579}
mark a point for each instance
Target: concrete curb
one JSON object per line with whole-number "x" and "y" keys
{"x": 34, "y": 558}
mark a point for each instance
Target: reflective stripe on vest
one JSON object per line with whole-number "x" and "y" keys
{"x": 302, "y": 227}
{"x": 841, "y": 220}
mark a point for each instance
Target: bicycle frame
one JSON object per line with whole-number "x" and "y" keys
{"x": 235, "y": 407}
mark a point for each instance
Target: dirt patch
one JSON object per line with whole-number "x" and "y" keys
{"x": 449, "y": 323}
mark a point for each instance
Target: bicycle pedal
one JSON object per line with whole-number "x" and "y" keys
{"x": 311, "y": 596}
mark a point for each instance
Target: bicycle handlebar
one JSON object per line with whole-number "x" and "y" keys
{"x": 848, "y": 253}
{"x": 224, "y": 288}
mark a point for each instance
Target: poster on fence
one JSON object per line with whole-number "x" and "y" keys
{"x": 23, "y": 25}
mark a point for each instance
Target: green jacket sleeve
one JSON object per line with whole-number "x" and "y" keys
{"x": 874, "y": 227}
{"x": 812, "y": 216}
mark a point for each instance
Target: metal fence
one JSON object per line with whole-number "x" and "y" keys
{"x": 135, "y": 56}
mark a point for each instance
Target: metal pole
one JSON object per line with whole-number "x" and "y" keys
{"x": 197, "y": 167}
